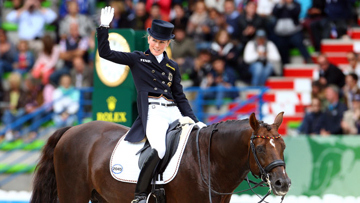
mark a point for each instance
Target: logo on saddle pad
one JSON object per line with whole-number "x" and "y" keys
{"x": 117, "y": 169}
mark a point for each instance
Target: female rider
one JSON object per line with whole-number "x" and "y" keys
{"x": 160, "y": 100}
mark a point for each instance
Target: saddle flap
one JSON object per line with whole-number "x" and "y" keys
{"x": 144, "y": 153}
{"x": 172, "y": 142}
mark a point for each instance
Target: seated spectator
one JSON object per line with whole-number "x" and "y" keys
{"x": 249, "y": 23}
{"x": 83, "y": 7}
{"x": 183, "y": 48}
{"x": 354, "y": 65}
{"x": 329, "y": 73}
{"x": 14, "y": 99}
{"x": 180, "y": 20}
{"x": 122, "y": 17}
{"x": 314, "y": 119}
{"x": 81, "y": 75}
{"x": 7, "y": 53}
{"x": 164, "y": 7}
{"x": 155, "y": 14}
{"x": 140, "y": 16}
{"x": 317, "y": 91}
{"x": 350, "y": 88}
{"x": 45, "y": 63}
{"x": 232, "y": 18}
{"x": 288, "y": 30}
{"x": 73, "y": 46}
{"x": 211, "y": 26}
{"x": 314, "y": 15}
{"x": 85, "y": 25}
{"x": 197, "y": 21}
{"x": 34, "y": 99}
{"x": 24, "y": 59}
{"x": 199, "y": 68}
{"x": 129, "y": 7}
{"x": 351, "y": 117}
{"x": 31, "y": 20}
{"x": 261, "y": 54}
{"x": 66, "y": 103}
{"x": 223, "y": 47}
{"x": 334, "y": 112}
{"x": 221, "y": 77}
{"x": 335, "y": 24}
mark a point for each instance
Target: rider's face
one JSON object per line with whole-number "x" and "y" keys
{"x": 156, "y": 46}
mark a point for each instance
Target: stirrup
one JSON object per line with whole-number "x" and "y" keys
{"x": 137, "y": 199}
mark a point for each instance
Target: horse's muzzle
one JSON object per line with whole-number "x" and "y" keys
{"x": 281, "y": 186}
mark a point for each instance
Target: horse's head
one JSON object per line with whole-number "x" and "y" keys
{"x": 267, "y": 154}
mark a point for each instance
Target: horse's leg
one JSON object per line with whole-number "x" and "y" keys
{"x": 71, "y": 166}
{"x": 225, "y": 199}
{"x": 77, "y": 193}
{"x": 96, "y": 198}
{"x": 99, "y": 162}
{"x": 72, "y": 183}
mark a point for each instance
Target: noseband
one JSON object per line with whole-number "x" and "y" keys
{"x": 264, "y": 172}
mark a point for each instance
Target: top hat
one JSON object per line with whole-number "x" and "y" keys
{"x": 161, "y": 30}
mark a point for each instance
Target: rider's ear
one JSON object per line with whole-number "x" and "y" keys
{"x": 279, "y": 119}
{"x": 253, "y": 122}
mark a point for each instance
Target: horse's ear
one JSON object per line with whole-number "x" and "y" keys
{"x": 253, "y": 122}
{"x": 279, "y": 119}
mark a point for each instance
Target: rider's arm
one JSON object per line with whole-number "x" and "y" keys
{"x": 114, "y": 56}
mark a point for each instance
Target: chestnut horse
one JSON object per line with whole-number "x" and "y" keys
{"x": 74, "y": 165}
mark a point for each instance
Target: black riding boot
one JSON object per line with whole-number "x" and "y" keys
{"x": 146, "y": 174}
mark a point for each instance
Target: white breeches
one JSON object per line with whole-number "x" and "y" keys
{"x": 158, "y": 120}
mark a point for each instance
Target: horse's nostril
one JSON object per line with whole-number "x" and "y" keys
{"x": 278, "y": 183}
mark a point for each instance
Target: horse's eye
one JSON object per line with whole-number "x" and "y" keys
{"x": 260, "y": 149}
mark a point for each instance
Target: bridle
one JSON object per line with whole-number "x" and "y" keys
{"x": 264, "y": 172}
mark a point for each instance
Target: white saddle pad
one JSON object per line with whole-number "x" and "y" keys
{"x": 124, "y": 161}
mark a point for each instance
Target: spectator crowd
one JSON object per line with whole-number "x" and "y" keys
{"x": 217, "y": 44}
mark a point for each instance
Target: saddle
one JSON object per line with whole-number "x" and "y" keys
{"x": 172, "y": 142}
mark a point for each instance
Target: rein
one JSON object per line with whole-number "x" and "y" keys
{"x": 264, "y": 173}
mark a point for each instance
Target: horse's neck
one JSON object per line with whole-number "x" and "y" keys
{"x": 229, "y": 158}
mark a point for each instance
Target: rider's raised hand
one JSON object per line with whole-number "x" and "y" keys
{"x": 107, "y": 15}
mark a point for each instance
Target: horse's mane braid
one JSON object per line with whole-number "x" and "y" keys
{"x": 231, "y": 121}
{"x": 262, "y": 123}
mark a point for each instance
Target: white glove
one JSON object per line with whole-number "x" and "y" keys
{"x": 201, "y": 124}
{"x": 107, "y": 14}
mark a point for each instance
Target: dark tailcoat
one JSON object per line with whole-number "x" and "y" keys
{"x": 149, "y": 77}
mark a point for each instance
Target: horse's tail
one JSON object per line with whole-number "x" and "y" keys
{"x": 44, "y": 185}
